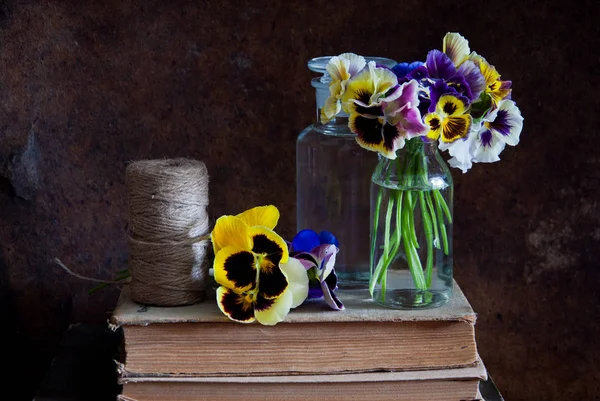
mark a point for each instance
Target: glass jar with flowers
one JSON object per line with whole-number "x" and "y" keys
{"x": 454, "y": 102}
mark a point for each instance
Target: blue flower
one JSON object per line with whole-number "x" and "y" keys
{"x": 402, "y": 69}
{"x": 307, "y": 240}
{"x": 317, "y": 254}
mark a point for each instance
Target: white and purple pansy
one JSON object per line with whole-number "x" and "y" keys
{"x": 487, "y": 139}
{"x": 317, "y": 254}
{"x": 502, "y": 126}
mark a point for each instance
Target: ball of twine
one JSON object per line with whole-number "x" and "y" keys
{"x": 167, "y": 216}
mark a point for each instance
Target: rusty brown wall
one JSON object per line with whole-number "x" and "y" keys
{"x": 86, "y": 86}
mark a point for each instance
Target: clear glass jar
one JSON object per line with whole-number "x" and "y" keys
{"x": 333, "y": 177}
{"x": 411, "y": 228}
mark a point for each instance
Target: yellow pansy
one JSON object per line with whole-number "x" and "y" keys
{"x": 450, "y": 120}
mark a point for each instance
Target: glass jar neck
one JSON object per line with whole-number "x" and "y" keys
{"x": 417, "y": 145}
{"x": 418, "y": 165}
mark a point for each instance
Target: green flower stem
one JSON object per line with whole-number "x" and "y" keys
{"x": 398, "y": 234}
{"x": 387, "y": 255}
{"x": 374, "y": 278}
{"x": 412, "y": 257}
{"x": 438, "y": 196}
{"x": 379, "y": 273}
{"x": 388, "y": 222}
{"x": 441, "y": 224}
{"x": 436, "y": 234}
{"x": 413, "y": 181}
{"x": 427, "y": 225}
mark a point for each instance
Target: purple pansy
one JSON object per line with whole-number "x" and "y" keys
{"x": 317, "y": 254}
{"x": 439, "y": 65}
{"x": 467, "y": 80}
{"x": 439, "y": 76}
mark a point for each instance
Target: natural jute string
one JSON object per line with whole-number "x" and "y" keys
{"x": 167, "y": 216}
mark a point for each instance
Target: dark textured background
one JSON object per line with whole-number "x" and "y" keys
{"x": 86, "y": 86}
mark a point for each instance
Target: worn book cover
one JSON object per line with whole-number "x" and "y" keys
{"x": 440, "y": 385}
{"x": 199, "y": 340}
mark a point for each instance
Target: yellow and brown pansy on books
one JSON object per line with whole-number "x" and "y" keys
{"x": 257, "y": 279}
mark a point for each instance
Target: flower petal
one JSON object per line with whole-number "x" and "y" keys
{"x": 230, "y": 230}
{"x": 331, "y": 109}
{"x": 368, "y": 87}
{"x": 345, "y": 66}
{"x": 393, "y": 139}
{"x": 451, "y": 105}
{"x": 337, "y": 69}
{"x": 410, "y": 121}
{"x": 314, "y": 290}
{"x": 474, "y": 78}
{"x": 297, "y": 279}
{"x": 305, "y": 241}
{"x": 268, "y": 243}
{"x": 368, "y": 132}
{"x": 354, "y": 63}
{"x": 496, "y": 88}
{"x": 403, "y": 112}
{"x": 489, "y": 71}
{"x": 307, "y": 259}
{"x": 456, "y": 127}
{"x": 272, "y": 311}
{"x": 401, "y": 69}
{"x": 460, "y": 85}
{"x": 487, "y": 147}
{"x": 418, "y": 73}
{"x": 270, "y": 250}
{"x": 456, "y": 47}
{"x": 409, "y": 94}
{"x": 436, "y": 91}
{"x": 328, "y": 287}
{"x": 434, "y": 122}
{"x": 459, "y": 164}
{"x": 272, "y": 282}
{"x": 325, "y": 255}
{"x": 439, "y": 65}
{"x": 460, "y": 150}
{"x": 384, "y": 79}
{"x": 328, "y": 238}
{"x": 235, "y": 268}
{"x": 266, "y": 216}
{"x": 236, "y": 307}
{"x": 508, "y": 122}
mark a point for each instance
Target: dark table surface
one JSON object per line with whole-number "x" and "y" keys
{"x": 84, "y": 368}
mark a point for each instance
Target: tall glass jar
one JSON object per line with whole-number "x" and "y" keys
{"x": 411, "y": 222}
{"x": 333, "y": 176}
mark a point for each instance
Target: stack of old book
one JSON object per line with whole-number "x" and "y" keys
{"x": 365, "y": 352}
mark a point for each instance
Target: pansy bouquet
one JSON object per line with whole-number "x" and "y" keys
{"x": 454, "y": 101}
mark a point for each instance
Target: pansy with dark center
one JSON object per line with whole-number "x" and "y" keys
{"x": 250, "y": 267}
{"x": 383, "y": 120}
{"x": 450, "y": 120}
